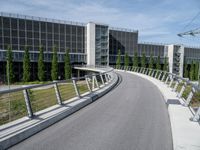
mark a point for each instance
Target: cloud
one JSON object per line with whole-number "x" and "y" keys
{"x": 158, "y": 20}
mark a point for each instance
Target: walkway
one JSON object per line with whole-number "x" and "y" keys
{"x": 133, "y": 116}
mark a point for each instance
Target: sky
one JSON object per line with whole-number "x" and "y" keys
{"x": 158, "y": 21}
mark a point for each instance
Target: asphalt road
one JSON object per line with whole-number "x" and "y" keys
{"x": 133, "y": 116}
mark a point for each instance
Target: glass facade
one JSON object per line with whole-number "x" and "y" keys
{"x": 123, "y": 40}
{"x": 101, "y": 45}
{"x": 191, "y": 54}
{"x": 155, "y": 49}
{"x": 18, "y": 33}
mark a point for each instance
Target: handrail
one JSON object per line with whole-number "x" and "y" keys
{"x": 27, "y": 97}
{"x": 165, "y": 76}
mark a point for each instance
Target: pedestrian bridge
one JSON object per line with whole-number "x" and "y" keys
{"x": 125, "y": 108}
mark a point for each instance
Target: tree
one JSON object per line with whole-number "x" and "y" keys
{"x": 143, "y": 61}
{"x": 54, "y": 65}
{"x": 151, "y": 61}
{"x": 192, "y": 72}
{"x": 9, "y": 66}
{"x": 118, "y": 62}
{"x": 158, "y": 66}
{"x": 68, "y": 69}
{"x": 41, "y": 65}
{"x": 196, "y": 70}
{"x": 165, "y": 67}
{"x": 135, "y": 60}
{"x": 26, "y": 66}
{"x": 126, "y": 62}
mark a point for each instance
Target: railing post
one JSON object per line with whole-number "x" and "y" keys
{"x": 196, "y": 116}
{"x": 143, "y": 70}
{"x": 58, "y": 97}
{"x": 28, "y": 103}
{"x": 95, "y": 79}
{"x": 172, "y": 80}
{"x": 166, "y": 81}
{"x": 76, "y": 88}
{"x": 176, "y": 85}
{"x": 87, "y": 82}
{"x": 156, "y": 74}
{"x": 102, "y": 79}
{"x": 149, "y": 73}
{"x": 189, "y": 98}
{"x": 182, "y": 90}
{"x": 153, "y": 72}
{"x": 106, "y": 78}
{"x": 163, "y": 77}
{"x": 160, "y": 75}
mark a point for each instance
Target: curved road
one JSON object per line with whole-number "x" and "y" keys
{"x": 133, "y": 116}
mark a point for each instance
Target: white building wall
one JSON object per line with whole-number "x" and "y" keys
{"x": 170, "y": 57}
{"x": 91, "y": 44}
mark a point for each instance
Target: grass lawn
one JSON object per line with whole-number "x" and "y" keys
{"x": 12, "y": 106}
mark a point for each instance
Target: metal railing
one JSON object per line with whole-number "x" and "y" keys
{"x": 27, "y": 100}
{"x": 184, "y": 88}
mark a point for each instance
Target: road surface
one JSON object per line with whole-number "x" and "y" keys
{"x": 133, "y": 116}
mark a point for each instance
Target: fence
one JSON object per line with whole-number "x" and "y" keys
{"x": 26, "y": 101}
{"x": 185, "y": 89}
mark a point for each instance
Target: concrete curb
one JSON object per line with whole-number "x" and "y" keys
{"x": 59, "y": 112}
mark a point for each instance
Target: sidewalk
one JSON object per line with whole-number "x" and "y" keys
{"x": 185, "y": 133}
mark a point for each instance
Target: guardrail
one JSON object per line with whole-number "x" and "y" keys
{"x": 185, "y": 89}
{"x": 28, "y": 100}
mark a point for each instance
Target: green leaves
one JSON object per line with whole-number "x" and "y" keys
{"x": 26, "y": 66}
{"x": 68, "y": 69}
{"x": 9, "y": 65}
{"x": 118, "y": 62}
{"x": 151, "y": 61}
{"x": 54, "y": 65}
{"x": 143, "y": 61}
{"x": 126, "y": 61}
{"x": 158, "y": 66}
{"x": 135, "y": 59}
{"x": 41, "y": 67}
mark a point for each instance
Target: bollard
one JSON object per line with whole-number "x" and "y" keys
{"x": 28, "y": 103}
